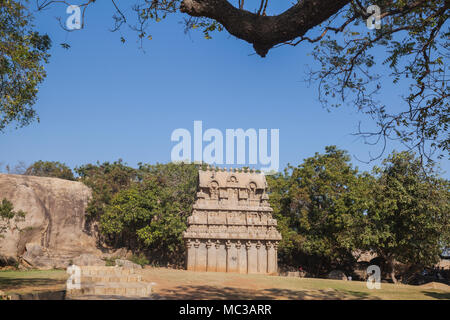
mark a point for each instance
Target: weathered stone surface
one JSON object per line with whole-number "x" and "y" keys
{"x": 104, "y": 282}
{"x": 444, "y": 263}
{"x": 127, "y": 264}
{"x": 121, "y": 253}
{"x": 231, "y": 228}
{"x": 36, "y": 256}
{"x": 53, "y": 232}
{"x": 88, "y": 259}
{"x": 337, "y": 275}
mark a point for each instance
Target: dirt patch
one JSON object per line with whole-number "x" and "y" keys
{"x": 436, "y": 285}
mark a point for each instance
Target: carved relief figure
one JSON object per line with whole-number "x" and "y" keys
{"x": 214, "y": 190}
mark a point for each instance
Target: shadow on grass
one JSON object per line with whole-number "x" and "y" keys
{"x": 437, "y": 295}
{"x": 17, "y": 283}
{"x": 359, "y": 294}
{"x": 219, "y": 293}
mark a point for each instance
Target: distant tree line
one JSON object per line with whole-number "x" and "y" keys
{"x": 326, "y": 209}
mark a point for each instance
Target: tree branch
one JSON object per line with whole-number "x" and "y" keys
{"x": 264, "y": 32}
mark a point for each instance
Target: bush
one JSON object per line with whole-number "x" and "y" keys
{"x": 110, "y": 262}
{"x": 7, "y": 215}
{"x": 139, "y": 259}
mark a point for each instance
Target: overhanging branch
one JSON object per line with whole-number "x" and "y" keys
{"x": 264, "y": 32}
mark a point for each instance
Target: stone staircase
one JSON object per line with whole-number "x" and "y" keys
{"x": 101, "y": 282}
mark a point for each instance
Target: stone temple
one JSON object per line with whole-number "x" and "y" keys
{"x": 231, "y": 228}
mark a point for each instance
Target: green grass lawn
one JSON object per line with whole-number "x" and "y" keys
{"x": 182, "y": 284}
{"x": 32, "y": 281}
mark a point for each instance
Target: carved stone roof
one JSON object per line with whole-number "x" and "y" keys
{"x": 226, "y": 179}
{"x": 232, "y": 205}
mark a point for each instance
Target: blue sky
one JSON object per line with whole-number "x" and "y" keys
{"x": 104, "y": 100}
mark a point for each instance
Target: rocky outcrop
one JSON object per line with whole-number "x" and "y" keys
{"x": 88, "y": 259}
{"x": 53, "y": 232}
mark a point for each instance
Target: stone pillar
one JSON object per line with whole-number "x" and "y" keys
{"x": 258, "y": 257}
{"x": 202, "y": 256}
{"x": 271, "y": 258}
{"x": 238, "y": 246}
{"x": 232, "y": 257}
{"x": 252, "y": 258}
{"x": 190, "y": 255}
{"x": 227, "y": 248}
{"x": 276, "y": 256}
{"x": 197, "y": 255}
{"x": 221, "y": 252}
{"x": 262, "y": 263}
{"x": 242, "y": 257}
{"x": 212, "y": 256}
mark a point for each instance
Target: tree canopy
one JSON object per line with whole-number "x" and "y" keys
{"x": 328, "y": 211}
{"x": 151, "y": 215}
{"x": 52, "y": 169}
{"x": 408, "y": 213}
{"x": 105, "y": 179}
{"x": 144, "y": 208}
{"x": 323, "y": 203}
{"x": 23, "y": 52}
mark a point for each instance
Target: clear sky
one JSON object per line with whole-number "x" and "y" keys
{"x": 104, "y": 100}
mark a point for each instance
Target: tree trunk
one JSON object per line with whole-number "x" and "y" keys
{"x": 392, "y": 269}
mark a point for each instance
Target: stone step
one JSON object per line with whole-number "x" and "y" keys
{"x": 139, "y": 289}
{"x": 105, "y": 271}
{"x": 103, "y": 281}
{"x": 111, "y": 278}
